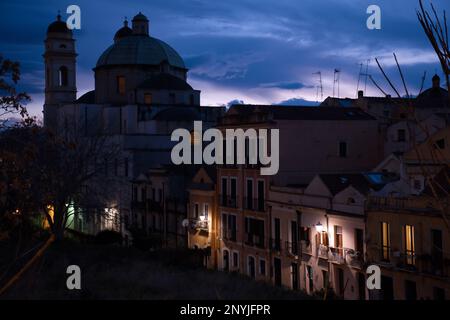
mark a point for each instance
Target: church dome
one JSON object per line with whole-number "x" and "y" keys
{"x": 165, "y": 81}
{"x": 123, "y": 32}
{"x": 140, "y": 17}
{"x": 434, "y": 97}
{"x": 58, "y": 26}
{"x": 140, "y": 50}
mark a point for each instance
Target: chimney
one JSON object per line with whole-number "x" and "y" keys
{"x": 360, "y": 94}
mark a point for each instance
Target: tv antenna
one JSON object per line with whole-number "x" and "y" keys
{"x": 336, "y": 81}
{"x": 319, "y": 87}
{"x": 363, "y": 74}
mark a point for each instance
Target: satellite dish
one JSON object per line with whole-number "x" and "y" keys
{"x": 185, "y": 223}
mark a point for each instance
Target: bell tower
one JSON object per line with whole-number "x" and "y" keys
{"x": 60, "y": 70}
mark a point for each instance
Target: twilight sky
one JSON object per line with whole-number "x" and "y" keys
{"x": 256, "y": 51}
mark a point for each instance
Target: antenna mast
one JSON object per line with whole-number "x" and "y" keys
{"x": 336, "y": 80}
{"x": 320, "y": 86}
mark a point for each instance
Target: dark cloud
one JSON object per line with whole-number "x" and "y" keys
{"x": 285, "y": 85}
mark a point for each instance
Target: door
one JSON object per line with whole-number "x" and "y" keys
{"x": 294, "y": 237}
{"x": 224, "y": 191}
{"x": 249, "y": 194}
{"x": 226, "y": 261}
{"x": 387, "y": 288}
{"x": 359, "y": 241}
{"x": 410, "y": 290}
{"x": 294, "y": 273}
{"x": 260, "y": 195}
{"x": 277, "y": 271}
{"x": 233, "y": 192}
{"x": 251, "y": 267}
{"x": 361, "y": 286}
{"x": 277, "y": 234}
{"x": 436, "y": 251}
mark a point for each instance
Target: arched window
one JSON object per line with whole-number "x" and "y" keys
{"x": 62, "y": 76}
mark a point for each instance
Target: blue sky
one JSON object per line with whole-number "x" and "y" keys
{"x": 256, "y": 51}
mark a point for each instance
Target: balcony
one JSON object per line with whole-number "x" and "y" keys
{"x": 354, "y": 258}
{"x": 254, "y": 240}
{"x": 306, "y": 247}
{"x": 275, "y": 244}
{"x": 336, "y": 255}
{"x": 228, "y": 201}
{"x": 292, "y": 248}
{"x": 434, "y": 265}
{"x": 229, "y": 234}
{"x": 322, "y": 251}
{"x": 254, "y": 204}
{"x": 149, "y": 205}
{"x": 197, "y": 224}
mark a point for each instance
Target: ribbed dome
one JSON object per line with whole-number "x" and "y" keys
{"x": 140, "y": 50}
{"x": 165, "y": 81}
{"x": 58, "y": 26}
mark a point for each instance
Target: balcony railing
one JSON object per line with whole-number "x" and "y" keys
{"x": 306, "y": 246}
{"x": 354, "y": 258}
{"x": 198, "y": 224}
{"x": 254, "y": 240}
{"x": 150, "y": 205}
{"x": 322, "y": 251}
{"x": 394, "y": 203}
{"x": 275, "y": 244}
{"x": 229, "y": 234}
{"x": 254, "y": 204}
{"x": 292, "y": 248}
{"x": 336, "y": 255}
{"x": 229, "y": 201}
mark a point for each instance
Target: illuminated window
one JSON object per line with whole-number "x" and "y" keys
{"x": 385, "y": 241}
{"x": 121, "y": 85}
{"x": 409, "y": 245}
{"x": 62, "y": 76}
{"x": 338, "y": 241}
{"x": 148, "y": 98}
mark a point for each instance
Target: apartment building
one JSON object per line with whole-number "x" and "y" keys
{"x": 245, "y": 236}
{"x": 202, "y": 223}
{"x": 409, "y": 239}
{"x": 159, "y": 205}
{"x": 318, "y": 234}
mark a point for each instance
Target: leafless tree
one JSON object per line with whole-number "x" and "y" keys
{"x": 436, "y": 30}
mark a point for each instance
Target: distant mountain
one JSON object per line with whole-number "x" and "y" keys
{"x": 298, "y": 102}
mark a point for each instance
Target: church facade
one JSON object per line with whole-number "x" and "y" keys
{"x": 141, "y": 95}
